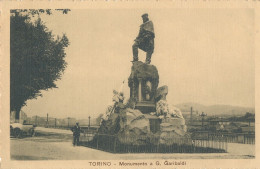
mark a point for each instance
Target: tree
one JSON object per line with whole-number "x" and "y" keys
{"x": 37, "y": 57}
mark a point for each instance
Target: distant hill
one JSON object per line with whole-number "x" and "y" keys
{"x": 215, "y": 109}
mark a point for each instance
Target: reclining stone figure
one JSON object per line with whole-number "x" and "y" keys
{"x": 163, "y": 109}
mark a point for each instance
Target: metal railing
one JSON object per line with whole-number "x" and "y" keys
{"x": 156, "y": 144}
{"x": 243, "y": 138}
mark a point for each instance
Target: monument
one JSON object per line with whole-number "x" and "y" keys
{"x": 147, "y": 114}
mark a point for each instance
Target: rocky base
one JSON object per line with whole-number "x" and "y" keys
{"x": 147, "y": 118}
{"x": 173, "y": 130}
{"x": 136, "y": 129}
{"x": 133, "y": 127}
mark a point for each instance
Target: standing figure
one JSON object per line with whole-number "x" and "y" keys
{"x": 76, "y": 134}
{"x": 144, "y": 40}
{"x": 148, "y": 90}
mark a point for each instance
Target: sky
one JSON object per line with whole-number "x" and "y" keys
{"x": 204, "y": 56}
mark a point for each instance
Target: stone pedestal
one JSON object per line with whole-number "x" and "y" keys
{"x": 143, "y": 83}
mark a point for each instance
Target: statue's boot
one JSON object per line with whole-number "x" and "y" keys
{"x": 148, "y": 57}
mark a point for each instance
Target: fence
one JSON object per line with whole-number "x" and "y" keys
{"x": 240, "y": 138}
{"x": 114, "y": 144}
{"x": 244, "y": 138}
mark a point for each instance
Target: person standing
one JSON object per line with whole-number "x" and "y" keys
{"x": 76, "y": 134}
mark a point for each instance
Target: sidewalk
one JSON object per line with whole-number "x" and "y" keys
{"x": 241, "y": 149}
{"x": 52, "y": 130}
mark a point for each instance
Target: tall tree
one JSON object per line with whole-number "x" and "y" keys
{"x": 37, "y": 57}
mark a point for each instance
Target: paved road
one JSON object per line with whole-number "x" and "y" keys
{"x": 58, "y": 146}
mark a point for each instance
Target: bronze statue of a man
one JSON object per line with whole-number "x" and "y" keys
{"x": 144, "y": 40}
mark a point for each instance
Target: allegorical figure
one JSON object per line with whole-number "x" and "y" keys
{"x": 147, "y": 91}
{"x": 76, "y": 134}
{"x": 144, "y": 40}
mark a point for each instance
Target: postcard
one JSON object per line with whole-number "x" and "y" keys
{"x": 129, "y": 84}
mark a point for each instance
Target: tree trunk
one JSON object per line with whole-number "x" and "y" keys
{"x": 17, "y": 113}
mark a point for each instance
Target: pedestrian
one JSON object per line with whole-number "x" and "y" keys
{"x": 76, "y": 134}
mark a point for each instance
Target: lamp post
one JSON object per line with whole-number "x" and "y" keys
{"x": 47, "y": 121}
{"x": 68, "y": 122}
{"x": 88, "y": 123}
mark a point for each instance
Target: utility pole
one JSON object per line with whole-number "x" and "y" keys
{"x": 190, "y": 115}
{"x": 55, "y": 123}
{"x": 88, "y": 123}
{"x": 47, "y": 122}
